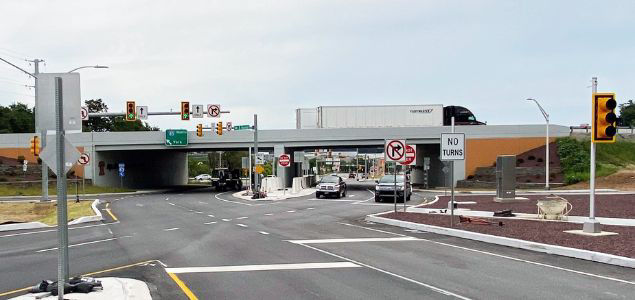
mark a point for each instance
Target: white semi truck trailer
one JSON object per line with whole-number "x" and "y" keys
{"x": 383, "y": 116}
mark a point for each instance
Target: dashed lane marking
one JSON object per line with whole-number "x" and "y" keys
{"x": 263, "y": 232}
{"x": 227, "y": 220}
{"x": 268, "y": 214}
{"x": 86, "y": 243}
{"x": 310, "y": 208}
{"x": 241, "y": 218}
{"x": 248, "y": 268}
{"x": 171, "y": 203}
{"x": 211, "y": 216}
{"x": 290, "y": 211}
{"x": 208, "y": 223}
{"x": 242, "y": 225}
{"x": 171, "y": 229}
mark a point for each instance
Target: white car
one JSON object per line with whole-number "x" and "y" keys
{"x": 203, "y": 177}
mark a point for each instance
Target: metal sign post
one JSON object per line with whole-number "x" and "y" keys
{"x": 62, "y": 214}
{"x": 395, "y": 186}
{"x": 452, "y": 149}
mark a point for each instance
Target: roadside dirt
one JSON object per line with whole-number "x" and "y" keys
{"x": 623, "y": 180}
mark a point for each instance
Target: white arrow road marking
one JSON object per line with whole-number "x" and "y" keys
{"x": 246, "y": 268}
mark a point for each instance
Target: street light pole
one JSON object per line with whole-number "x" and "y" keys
{"x": 546, "y": 116}
{"x": 84, "y": 67}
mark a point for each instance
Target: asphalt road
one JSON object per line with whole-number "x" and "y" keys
{"x": 218, "y": 247}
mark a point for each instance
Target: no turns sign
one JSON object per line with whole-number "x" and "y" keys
{"x": 452, "y": 146}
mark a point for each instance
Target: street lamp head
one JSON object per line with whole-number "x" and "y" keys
{"x": 530, "y": 99}
{"x": 100, "y": 67}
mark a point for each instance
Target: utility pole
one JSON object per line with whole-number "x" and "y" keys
{"x": 45, "y": 170}
{"x": 256, "y": 189}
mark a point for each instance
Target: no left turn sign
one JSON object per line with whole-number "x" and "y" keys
{"x": 213, "y": 110}
{"x": 84, "y": 113}
{"x": 395, "y": 150}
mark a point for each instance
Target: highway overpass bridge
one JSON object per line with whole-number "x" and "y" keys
{"x": 150, "y": 163}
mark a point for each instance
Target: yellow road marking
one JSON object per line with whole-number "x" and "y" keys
{"x": 111, "y": 214}
{"x": 107, "y": 204}
{"x": 88, "y": 274}
{"x": 15, "y": 291}
{"x": 183, "y": 287}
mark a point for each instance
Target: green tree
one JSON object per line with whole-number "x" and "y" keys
{"x": 102, "y": 124}
{"x": 17, "y": 118}
{"x": 627, "y": 113}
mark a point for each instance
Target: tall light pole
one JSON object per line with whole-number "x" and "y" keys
{"x": 84, "y": 67}
{"x": 546, "y": 115}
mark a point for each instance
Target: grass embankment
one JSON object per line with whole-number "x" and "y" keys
{"x": 42, "y": 212}
{"x": 16, "y": 189}
{"x": 610, "y": 158}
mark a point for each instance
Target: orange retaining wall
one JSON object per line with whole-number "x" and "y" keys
{"x": 483, "y": 152}
{"x": 26, "y": 152}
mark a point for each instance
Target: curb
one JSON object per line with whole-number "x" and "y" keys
{"x": 36, "y": 225}
{"x": 510, "y": 242}
{"x": 36, "y": 197}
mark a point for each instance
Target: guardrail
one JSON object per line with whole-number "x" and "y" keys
{"x": 587, "y": 129}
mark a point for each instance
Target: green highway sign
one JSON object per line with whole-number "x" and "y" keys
{"x": 242, "y": 127}
{"x": 176, "y": 137}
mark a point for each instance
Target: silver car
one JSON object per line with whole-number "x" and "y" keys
{"x": 331, "y": 185}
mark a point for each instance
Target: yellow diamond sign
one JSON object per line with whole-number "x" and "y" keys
{"x": 259, "y": 169}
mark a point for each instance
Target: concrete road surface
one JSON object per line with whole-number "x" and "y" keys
{"x": 207, "y": 245}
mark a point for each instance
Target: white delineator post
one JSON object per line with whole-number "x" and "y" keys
{"x": 592, "y": 225}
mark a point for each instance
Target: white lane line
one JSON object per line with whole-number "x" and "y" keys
{"x": 170, "y": 229}
{"x": 213, "y": 222}
{"x": 263, "y": 232}
{"x": 198, "y": 212}
{"x": 86, "y": 243}
{"x": 247, "y": 268}
{"x": 290, "y": 211}
{"x": 168, "y": 198}
{"x": 509, "y": 257}
{"x": 241, "y": 218}
{"x": 434, "y": 288}
{"x": 171, "y": 203}
{"x": 54, "y": 230}
{"x": 333, "y": 200}
{"x": 356, "y": 240}
{"x": 227, "y": 220}
{"x": 201, "y": 202}
{"x": 372, "y": 229}
{"x": 310, "y": 208}
{"x": 242, "y": 225}
{"x": 371, "y": 198}
{"x": 211, "y": 216}
{"x": 351, "y": 196}
{"x": 268, "y": 214}
{"x": 230, "y": 201}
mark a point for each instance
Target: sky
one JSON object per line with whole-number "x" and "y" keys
{"x": 271, "y": 57}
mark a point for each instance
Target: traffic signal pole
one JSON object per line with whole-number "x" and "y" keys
{"x": 592, "y": 225}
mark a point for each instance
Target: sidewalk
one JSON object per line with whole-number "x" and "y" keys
{"x": 523, "y": 192}
{"x": 113, "y": 288}
{"x": 275, "y": 195}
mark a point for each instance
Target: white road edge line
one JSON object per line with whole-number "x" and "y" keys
{"x": 55, "y": 230}
{"x": 355, "y": 240}
{"x": 171, "y": 229}
{"x": 434, "y": 288}
{"x": 247, "y": 268}
{"x": 523, "y": 260}
{"x": 372, "y": 229}
{"x": 86, "y": 243}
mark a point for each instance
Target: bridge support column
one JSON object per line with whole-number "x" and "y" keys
{"x": 288, "y": 172}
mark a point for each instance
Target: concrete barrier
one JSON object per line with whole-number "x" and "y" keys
{"x": 270, "y": 184}
{"x": 298, "y": 185}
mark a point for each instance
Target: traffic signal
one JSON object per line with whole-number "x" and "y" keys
{"x": 604, "y": 118}
{"x": 131, "y": 111}
{"x": 35, "y": 146}
{"x": 185, "y": 110}
{"x": 219, "y": 128}
{"x": 199, "y": 129}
